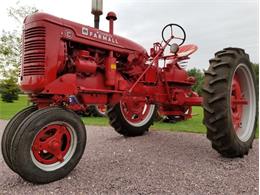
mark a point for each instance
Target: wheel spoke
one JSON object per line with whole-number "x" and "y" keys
{"x": 239, "y": 102}
{"x": 179, "y": 38}
{"x": 171, "y": 32}
{"x": 60, "y": 132}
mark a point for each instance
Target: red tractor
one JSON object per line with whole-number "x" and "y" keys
{"x": 60, "y": 59}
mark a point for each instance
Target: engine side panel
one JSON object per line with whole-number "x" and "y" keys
{"x": 44, "y": 47}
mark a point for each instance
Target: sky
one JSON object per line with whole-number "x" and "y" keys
{"x": 210, "y": 24}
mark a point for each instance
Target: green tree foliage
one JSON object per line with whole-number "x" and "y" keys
{"x": 9, "y": 66}
{"x": 10, "y": 47}
{"x": 199, "y": 76}
{"x": 9, "y": 55}
{"x": 10, "y": 42}
{"x": 9, "y": 90}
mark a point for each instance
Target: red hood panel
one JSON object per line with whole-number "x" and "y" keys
{"x": 87, "y": 32}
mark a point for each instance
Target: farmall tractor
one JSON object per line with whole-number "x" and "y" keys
{"x": 60, "y": 59}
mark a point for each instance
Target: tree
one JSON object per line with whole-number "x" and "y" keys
{"x": 199, "y": 76}
{"x": 9, "y": 90}
{"x": 10, "y": 44}
{"x": 9, "y": 55}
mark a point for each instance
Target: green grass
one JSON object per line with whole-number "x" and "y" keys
{"x": 97, "y": 121}
{"x": 7, "y": 110}
{"x": 192, "y": 125}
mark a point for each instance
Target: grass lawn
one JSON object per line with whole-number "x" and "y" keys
{"x": 7, "y": 110}
{"x": 192, "y": 125}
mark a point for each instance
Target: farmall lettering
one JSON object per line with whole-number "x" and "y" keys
{"x": 45, "y": 141}
{"x": 99, "y": 35}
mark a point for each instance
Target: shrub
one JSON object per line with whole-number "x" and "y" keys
{"x": 199, "y": 76}
{"x": 9, "y": 90}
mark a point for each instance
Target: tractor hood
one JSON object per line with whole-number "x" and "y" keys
{"x": 86, "y": 34}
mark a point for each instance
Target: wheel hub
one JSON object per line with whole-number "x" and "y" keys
{"x": 102, "y": 108}
{"x": 237, "y": 101}
{"x": 136, "y": 110}
{"x": 243, "y": 102}
{"x": 51, "y": 144}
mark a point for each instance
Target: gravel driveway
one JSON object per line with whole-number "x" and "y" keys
{"x": 158, "y": 163}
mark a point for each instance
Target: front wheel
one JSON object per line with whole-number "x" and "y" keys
{"x": 230, "y": 102}
{"x": 132, "y": 118}
{"x": 10, "y": 130}
{"x": 48, "y": 145}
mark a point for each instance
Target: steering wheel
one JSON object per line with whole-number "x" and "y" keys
{"x": 180, "y": 29}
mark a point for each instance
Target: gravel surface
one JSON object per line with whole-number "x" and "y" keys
{"x": 158, "y": 163}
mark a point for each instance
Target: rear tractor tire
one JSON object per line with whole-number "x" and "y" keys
{"x": 129, "y": 121}
{"x": 47, "y": 145}
{"x": 98, "y": 110}
{"x": 230, "y": 102}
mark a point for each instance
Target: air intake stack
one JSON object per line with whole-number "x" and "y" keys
{"x": 97, "y": 10}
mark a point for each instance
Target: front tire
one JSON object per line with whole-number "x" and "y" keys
{"x": 9, "y": 132}
{"x": 230, "y": 103}
{"x": 48, "y": 145}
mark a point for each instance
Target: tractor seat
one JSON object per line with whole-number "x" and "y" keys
{"x": 186, "y": 50}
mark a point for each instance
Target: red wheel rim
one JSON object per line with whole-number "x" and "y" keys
{"x": 137, "y": 113}
{"x": 237, "y": 102}
{"x": 102, "y": 108}
{"x": 51, "y": 144}
{"x": 243, "y": 102}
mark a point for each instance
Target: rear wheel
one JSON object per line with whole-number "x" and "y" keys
{"x": 187, "y": 111}
{"x": 10, "y": 130}
{"x": 132, "y": 118}
{"x": 48, "y": 145}
{"x": 99, "y": 110}
{"x": 230, "y": 102}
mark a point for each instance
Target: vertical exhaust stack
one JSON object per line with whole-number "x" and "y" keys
{"x": 111, "y": 16}
{"x": 97, "y": 10}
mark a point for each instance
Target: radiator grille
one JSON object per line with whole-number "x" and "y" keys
{"x": 34, "y": 51}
